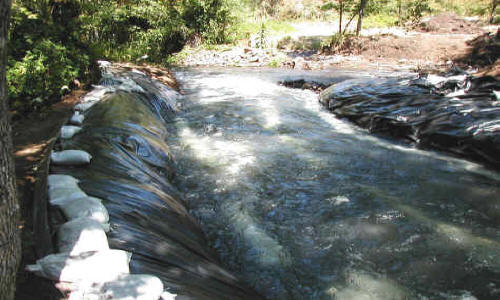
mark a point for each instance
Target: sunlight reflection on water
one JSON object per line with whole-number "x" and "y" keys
{"x": 306, "y": 206}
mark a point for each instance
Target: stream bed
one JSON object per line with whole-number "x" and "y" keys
{"x": 302, "y": 205}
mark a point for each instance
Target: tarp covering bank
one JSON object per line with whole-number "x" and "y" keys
{"x": 457, "y": 114}
{"x": 126, "y": 135}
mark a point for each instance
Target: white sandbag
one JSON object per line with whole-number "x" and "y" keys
{"x": 61, "y": 195}
{"x": 127, "y": 287}
{"x": 133, "y": 287}
{"x": 90, "y": 267}
{"x": 169, "y": 296}
{"x": 69, "y": 131}
{"x": 82, "y": 107}
{"x": 99, "y": 92}
{"x": 129, "y": 85}
{"x": 70, "y": 157}
{"x": 103, "y": 63}
{"x": 61, "y": 181}
{"x": 77, "y": 119}
{"x": 81, "y": 235}
{"x": 86, "y": 207}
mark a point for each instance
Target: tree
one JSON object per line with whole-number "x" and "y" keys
{"x": 10, "y": 244}
{"x": 361, "y": 12}
{"x": 493, "y": 8}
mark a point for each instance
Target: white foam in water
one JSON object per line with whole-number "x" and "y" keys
{"x": 269, "y": 252}
{"x": 237, "y": 155}
{"x": 310, "y": 206}
{"x": 365, "y": 286}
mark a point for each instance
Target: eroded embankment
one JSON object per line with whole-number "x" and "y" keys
{"x": 131, "y": 166}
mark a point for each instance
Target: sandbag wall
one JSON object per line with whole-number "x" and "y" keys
{"x": 123, "y": 129}
{"x": 457, "y": 114}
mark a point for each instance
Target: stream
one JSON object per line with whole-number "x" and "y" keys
{"x": 302, "y": 205}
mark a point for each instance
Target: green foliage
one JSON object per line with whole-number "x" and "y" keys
{"x": 461, "y": 7}
{"x": 140, "y": 28}
{"x": 44, "y": 55}
{"x": 210, "y": 19}
{"x": 36, "y": 80}
{"x": 380, "y": 20}
{"x": 53, "y": 42}
{"x": 416, "y": 10}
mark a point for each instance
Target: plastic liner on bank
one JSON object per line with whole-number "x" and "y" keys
{"x": 456, "y": 114}
{"x": 130, "y": 171}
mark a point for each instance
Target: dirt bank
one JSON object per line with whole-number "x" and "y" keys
{"x": 437, "y": 44}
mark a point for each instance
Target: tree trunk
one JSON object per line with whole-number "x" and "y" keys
{"x": 341, "y": 14}
{"x": 10, "y": 244}
{"x": 361, "y": 12}
{"x": 400, "y": 12}
{"x": 494, "y": 4}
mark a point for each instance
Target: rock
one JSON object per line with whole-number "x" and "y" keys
{"x": 301, "y": 64}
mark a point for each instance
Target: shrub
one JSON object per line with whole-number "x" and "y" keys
{"x": 209, "y": 18}
{"x": 36, "y": 80}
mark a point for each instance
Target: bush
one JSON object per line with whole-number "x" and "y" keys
{"x": 416, "y": 10}
{"x": 209, "y": 18}
{"x": 36, "y": 80}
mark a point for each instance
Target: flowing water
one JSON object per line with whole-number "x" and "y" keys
{"x": 302, "y": 205}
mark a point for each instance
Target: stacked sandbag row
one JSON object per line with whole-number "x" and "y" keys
{"x": 85, "y": 262}
{"x": 457, "y": 114}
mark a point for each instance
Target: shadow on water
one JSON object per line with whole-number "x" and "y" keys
{"x": 304, "y": 206}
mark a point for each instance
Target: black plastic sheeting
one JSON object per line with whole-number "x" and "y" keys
{"x": 465, "y": 124}
{"x": 130, "y": 170}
